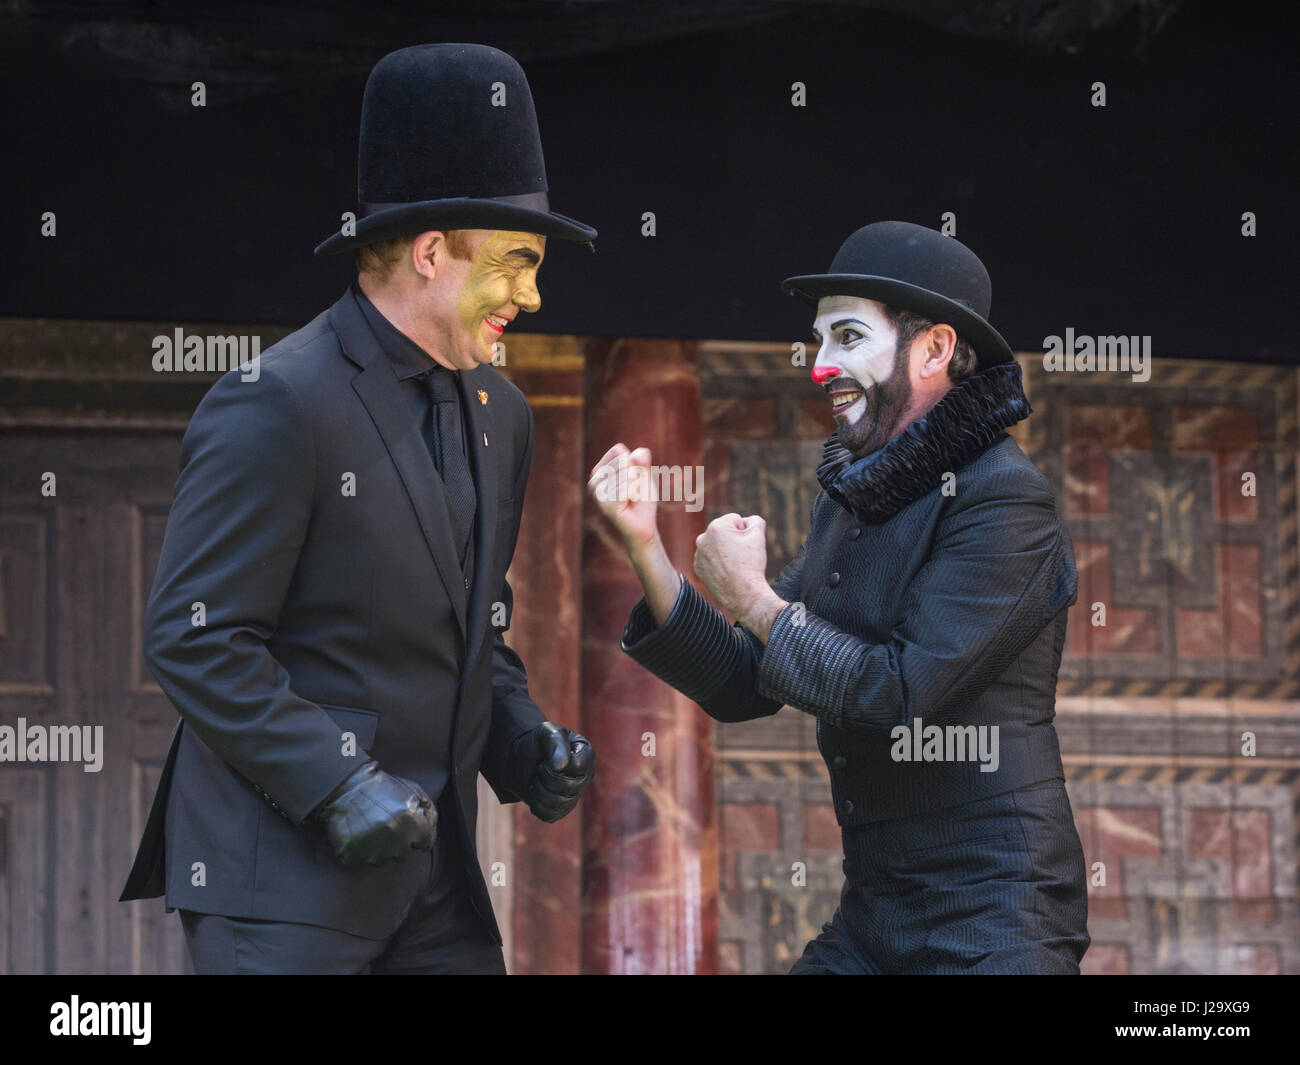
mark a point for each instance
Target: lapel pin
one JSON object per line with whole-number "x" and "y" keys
{"x": 482, "y": 397}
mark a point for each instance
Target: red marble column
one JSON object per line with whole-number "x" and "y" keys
{"x": 649, "y": 901}
{"x": 545, "y": 577}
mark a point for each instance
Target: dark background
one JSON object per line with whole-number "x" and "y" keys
{"x": 1124, "y": 219}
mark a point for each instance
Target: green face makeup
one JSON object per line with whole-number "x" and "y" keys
{"x": 502, "y": 281}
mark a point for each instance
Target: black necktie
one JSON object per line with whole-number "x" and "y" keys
{"x": 449, "y": 456}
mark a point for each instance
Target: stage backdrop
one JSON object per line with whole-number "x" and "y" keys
{"x": 699, "y": 848}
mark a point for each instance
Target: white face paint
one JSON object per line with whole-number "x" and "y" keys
{"x": 856, "y": 352}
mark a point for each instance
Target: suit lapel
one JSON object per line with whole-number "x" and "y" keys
{"x": 377, "y": 388}
{"x": 476, "y": 402}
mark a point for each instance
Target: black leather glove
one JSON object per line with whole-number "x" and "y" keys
{"x": 375, "y": 817}
{"x": 550, "y": 767}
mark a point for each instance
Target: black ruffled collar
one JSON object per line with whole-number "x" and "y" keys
{"x": 971, "y": 417}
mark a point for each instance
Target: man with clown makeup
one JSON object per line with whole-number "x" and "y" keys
{"x": 921, "y": 623}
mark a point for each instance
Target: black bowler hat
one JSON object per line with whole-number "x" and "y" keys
{"x": 449, "y": 140}
{"x": 919, "y": 270}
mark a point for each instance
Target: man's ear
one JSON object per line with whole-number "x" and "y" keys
{"x": 428, "y": 250}
{"x": 939, "y": 342}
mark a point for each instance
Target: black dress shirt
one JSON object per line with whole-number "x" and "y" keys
{"x": 411, "y": 365}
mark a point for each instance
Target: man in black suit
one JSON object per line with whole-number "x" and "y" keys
{"x": 921, "y": 622}
{"x": 328, "y": 609}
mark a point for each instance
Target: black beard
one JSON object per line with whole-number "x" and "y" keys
{"x": 886, "y": 403}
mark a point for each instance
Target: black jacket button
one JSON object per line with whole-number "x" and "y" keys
{"x": 855, "y": 532}
{"x": 839, "y": 761}
{"x": 833, "y": 580}
{"x": 847, "y": 806}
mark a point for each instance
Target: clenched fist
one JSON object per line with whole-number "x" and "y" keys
{"x": 375, "y": 817}
{"x": 731, "y": 560}
{"x": 625, "y": 492}
{"x": 549, "y": 768}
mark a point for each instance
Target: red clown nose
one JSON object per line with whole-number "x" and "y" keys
{"x": 822, "y": 374}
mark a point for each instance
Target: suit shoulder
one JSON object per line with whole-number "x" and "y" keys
{"x": 300, "y": 356}
{"x": 292, "y": 360}
{"x": 274, "y": 392}
{"x": 1005, "y": 472}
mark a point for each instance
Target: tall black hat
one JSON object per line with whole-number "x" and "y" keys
{"x": 449, "y": 140}
{"x": 919, "y": 270}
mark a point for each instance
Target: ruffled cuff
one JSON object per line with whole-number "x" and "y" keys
{"x": 808, "y": 663}
{"x": 696, "y": 650}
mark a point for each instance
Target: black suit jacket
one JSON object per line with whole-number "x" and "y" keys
{"x": 953, "y": 611}
{"x": 311, "y": 525}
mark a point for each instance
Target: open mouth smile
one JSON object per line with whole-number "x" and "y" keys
{"x": 843, "y": 398}
{"x": 497, "y": 323}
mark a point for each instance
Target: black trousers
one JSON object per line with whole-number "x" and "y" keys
{"x": 440, "y": 934}
{"x": 992, "y": 886}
